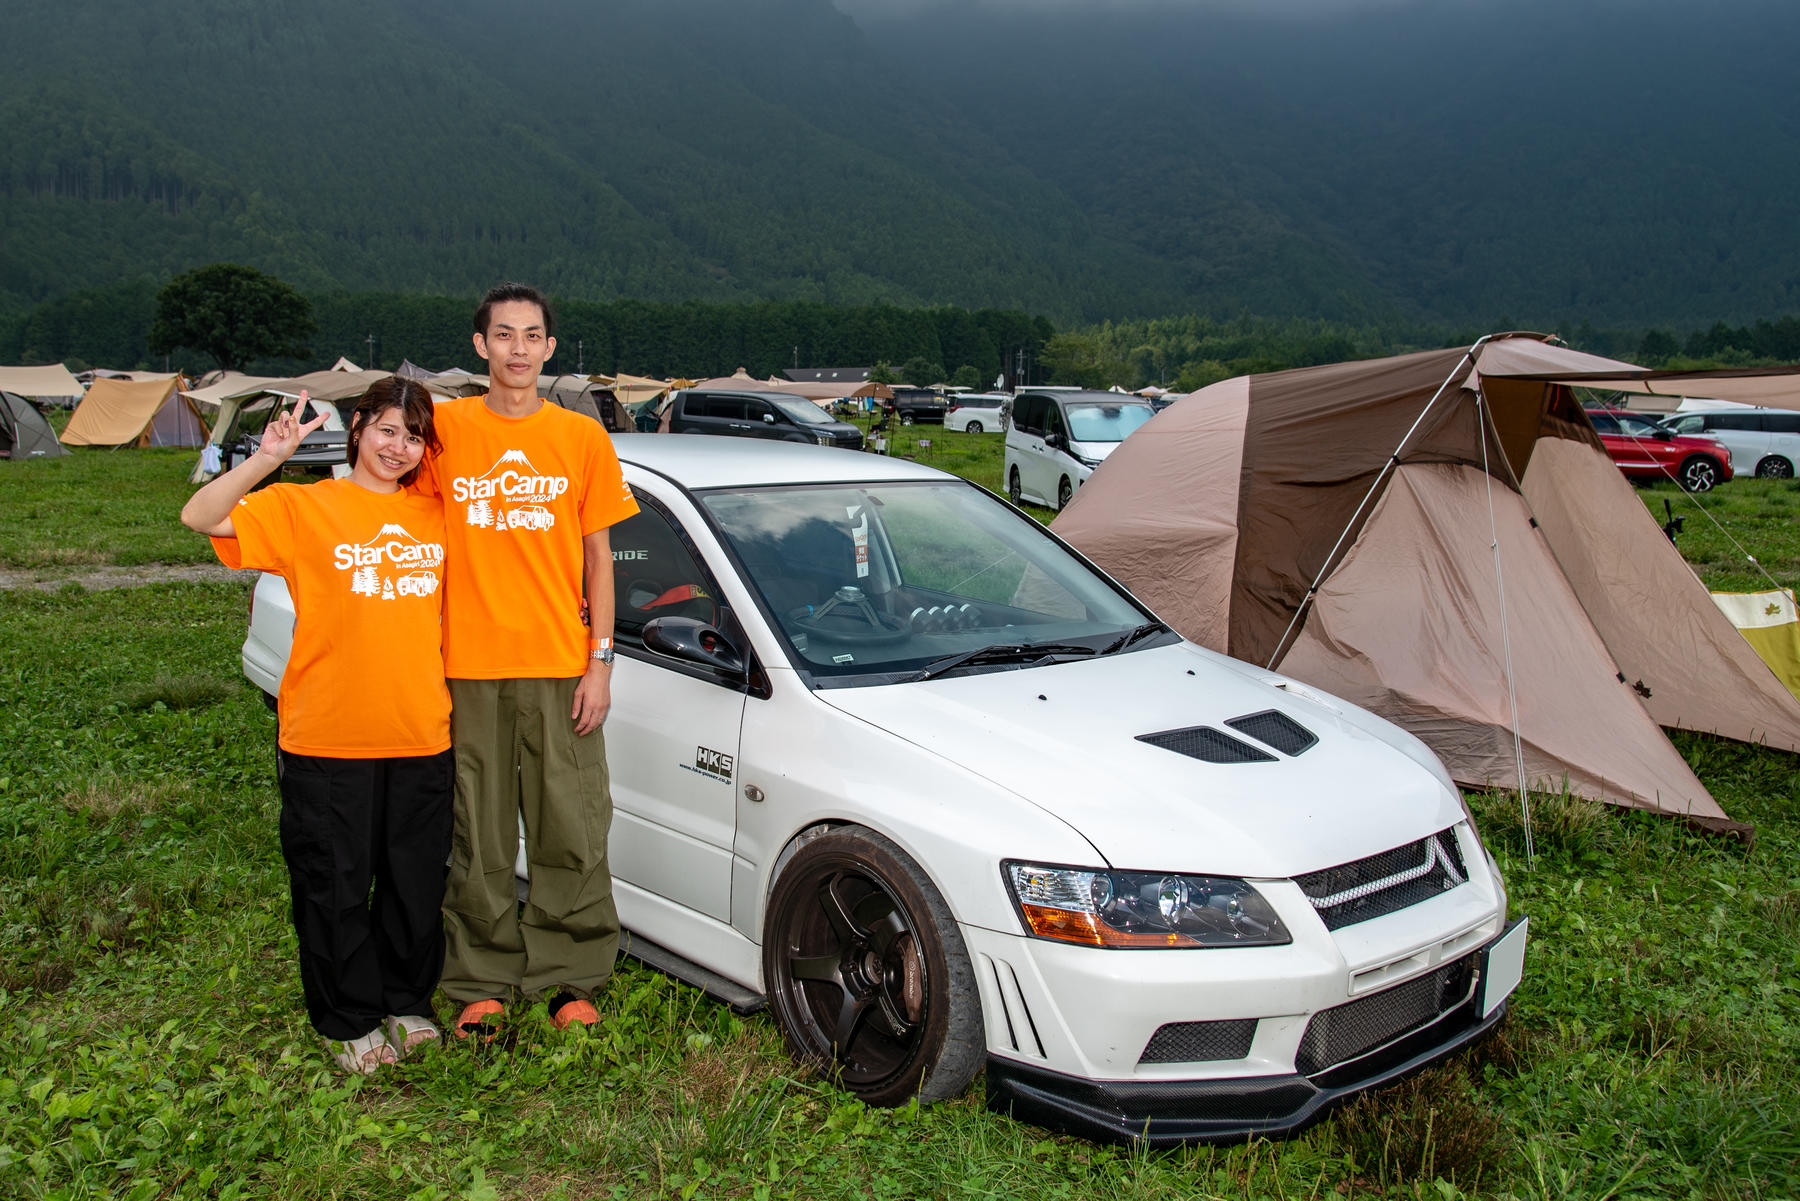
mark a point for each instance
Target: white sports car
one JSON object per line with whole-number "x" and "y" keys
{"x": 890, "y": 757}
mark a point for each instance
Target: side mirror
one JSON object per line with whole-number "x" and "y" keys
{"x": 1663, "y": 435}
{"x": 1056, "y": 442}
{"x": 768, "y": 419}
{"x": 693, "y": 640}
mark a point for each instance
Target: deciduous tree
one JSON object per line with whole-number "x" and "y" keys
{"x": 232, "y": 313}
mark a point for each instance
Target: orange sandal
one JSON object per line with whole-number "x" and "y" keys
{"x": 566, "y": 1011}
{"x": 472, "y": 1021}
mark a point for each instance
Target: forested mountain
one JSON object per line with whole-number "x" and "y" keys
{"x": 1620, "y": 161}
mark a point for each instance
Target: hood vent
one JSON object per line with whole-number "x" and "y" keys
{"x": 1207, "y": 745}
{"x": 1276, "y": 729}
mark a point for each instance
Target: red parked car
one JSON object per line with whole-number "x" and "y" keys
{"x": 1646, "y": 451}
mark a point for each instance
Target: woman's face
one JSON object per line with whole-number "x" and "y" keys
{"x": 386, "y": 449}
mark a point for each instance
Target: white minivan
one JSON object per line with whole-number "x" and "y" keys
{"x": 1765, "y": 441}
{"x": 1055, "y": 439}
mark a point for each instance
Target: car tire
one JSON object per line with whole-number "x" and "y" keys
{"x": 866, "y": 972}
{"x": 907, "y": 419}
{"x": 1775, "y": 468}
{"x": 1698, "y": 474}
{"x": 973, "y": 427}
{"x": 1065, "y": 492}
{"x": 1014, "y": 491}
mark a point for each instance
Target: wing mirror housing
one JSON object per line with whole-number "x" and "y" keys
{"x": 694, "y": 641}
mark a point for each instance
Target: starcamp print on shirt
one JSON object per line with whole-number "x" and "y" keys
{"x": 510, "y": 496}
{"x": 392, "y": 564}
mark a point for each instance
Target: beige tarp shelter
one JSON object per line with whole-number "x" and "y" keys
{"x": 149, "y": 412}
{"x": 40, "y": 383}
{"x": 1663, "y": 391}
{"x": 234, "y": 397}
{"x": 24, "y": 434}
{"x": 1433, "y": 537}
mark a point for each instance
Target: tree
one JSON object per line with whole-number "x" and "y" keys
{"x": 235, "y": 314}
{"x": 883, "y": 373}
{"x": 921, "y": 372}
{"x": 967, "y": 376}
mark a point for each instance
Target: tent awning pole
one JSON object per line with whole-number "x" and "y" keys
{"x": 1484, "y": 419}
{"x": 1393, "y": 461}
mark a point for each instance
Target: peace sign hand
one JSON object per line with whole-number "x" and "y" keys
{"x": 285, "y": 433}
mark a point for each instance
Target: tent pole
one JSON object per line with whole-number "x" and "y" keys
{"x": 1393, "y": 461}
{"x": 1483, "y": 419}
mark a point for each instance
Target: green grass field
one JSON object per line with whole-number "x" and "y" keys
{"x": 153, "y": 1042}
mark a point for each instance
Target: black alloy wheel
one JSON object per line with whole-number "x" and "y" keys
{"x": 1775, "y": 468}
{"x": 1699, "y": 474}
{"x": 867, "y": 975}
{"x": 1014, "y": 492}
{"x": 1064, "y": 492}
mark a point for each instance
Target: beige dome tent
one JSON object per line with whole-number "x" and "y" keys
{"x": 149, "y": 412}
{"x": 1441, "y": 538}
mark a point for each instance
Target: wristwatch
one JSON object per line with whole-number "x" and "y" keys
{"x": 601, "y": 649}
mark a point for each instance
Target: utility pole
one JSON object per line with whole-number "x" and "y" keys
{"x": 578, "y": 358}
{"x": 796, "y": 358}
{"x": 371, "y": 341}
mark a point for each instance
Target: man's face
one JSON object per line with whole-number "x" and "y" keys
{"x": 516, "y": 345}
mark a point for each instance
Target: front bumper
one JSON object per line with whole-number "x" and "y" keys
{"x": 1166, "y": 1112}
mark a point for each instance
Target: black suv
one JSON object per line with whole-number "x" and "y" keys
{"x": 778, "y": 415}
{"x": 914, "y": 405}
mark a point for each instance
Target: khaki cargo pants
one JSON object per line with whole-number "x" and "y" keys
{"x": 517, "y": 754}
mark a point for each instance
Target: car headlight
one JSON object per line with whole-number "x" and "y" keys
{"x": 1141, "y": 910}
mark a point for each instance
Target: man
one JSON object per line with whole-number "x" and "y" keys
{"x": 529, "y": 492}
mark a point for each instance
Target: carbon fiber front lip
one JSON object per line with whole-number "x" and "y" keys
{"x": 1170, "y": 1112}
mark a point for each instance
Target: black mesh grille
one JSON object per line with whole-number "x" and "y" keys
{"x": 1276, "y": 729}
{"x": 1207, "y": 744}
{"x": 1200, "y": 1042}
{"x": 1392, "y": 880}
{"x": 1335, "y": 1035}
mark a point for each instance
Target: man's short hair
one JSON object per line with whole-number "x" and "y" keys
{"x": 501, "y": 293}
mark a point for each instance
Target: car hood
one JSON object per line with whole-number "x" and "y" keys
{"x": 1094, "y": 450}
{"x": 1066, "y": 738}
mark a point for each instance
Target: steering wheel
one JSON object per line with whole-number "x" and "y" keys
{"x": 847, "y": 616}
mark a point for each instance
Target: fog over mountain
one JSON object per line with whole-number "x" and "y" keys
{"x": 1619, "y": 161}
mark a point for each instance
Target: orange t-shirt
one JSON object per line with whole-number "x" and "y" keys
{"x": 519, "y": 495}
{"x": 365, "y": 678}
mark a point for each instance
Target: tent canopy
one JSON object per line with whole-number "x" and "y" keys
{"x": 24, "y": 434}
{"x": 52, "y": 382}
{"x": 1338, "y": 523}
{"x": 150, "y": 412}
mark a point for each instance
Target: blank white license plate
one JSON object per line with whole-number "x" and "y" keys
{"x": 1505, "y": 967}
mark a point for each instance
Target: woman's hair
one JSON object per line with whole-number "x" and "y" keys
{"x": 414, "y": 403}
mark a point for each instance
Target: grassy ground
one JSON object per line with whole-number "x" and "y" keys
{"x": 152, "y": 1040}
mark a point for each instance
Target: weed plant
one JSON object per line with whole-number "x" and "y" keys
{"x": 153, "y": 1041}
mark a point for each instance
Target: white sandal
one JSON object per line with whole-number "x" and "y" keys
{"x": 408, "y": 1032}
{"x": 362, "y": 1056}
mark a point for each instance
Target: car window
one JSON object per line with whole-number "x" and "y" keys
{"x": 655, "y": 574}
{"x": 757, "y": 410}
{"x": 1733, "y": 421}
{"x": 1636, "y": 427}
{"x": 1028, "y": 414}
{"x": 1604, "y": 422}
{"x": 1691, "y": 424}
{"x": 804, "y": 412}
{"x": 1053, "y": 420}
{"x": 1106, "y": 422}
{"x": 1782, "y": 423}
{"x": 872, "y": 579}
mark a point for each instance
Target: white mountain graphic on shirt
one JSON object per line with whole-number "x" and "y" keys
{"x": 511, "y": 456}
{"x": 391, "y": 530}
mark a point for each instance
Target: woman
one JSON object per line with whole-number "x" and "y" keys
{"x": 364, "y": 763}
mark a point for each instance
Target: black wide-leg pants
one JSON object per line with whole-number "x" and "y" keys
{"x": 367, "y": 842}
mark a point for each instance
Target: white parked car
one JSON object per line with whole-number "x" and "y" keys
{"x": 1056, "y": 437}
{"x": 977, "y": 412}
{"x": 888, "y": 755}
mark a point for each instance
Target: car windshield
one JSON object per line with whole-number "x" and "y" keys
{"x": 1106, "y": 422}
{"x": 873, "y": 582}
{"x": 803, "y": 411}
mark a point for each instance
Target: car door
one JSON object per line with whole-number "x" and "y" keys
{"x": 1030, "y": 415}
{"x": 672, "y": 735}
{"x": 763, "y": 421}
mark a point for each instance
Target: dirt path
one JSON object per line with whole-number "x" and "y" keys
{"x": 98, "y": 578}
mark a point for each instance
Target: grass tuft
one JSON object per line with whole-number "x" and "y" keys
{"x": 1435, "y": 1125}
{"x": 180, "y": 692}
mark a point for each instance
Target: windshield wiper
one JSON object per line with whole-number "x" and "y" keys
{"x": 1132, "y": 635}
{"x": 1005, "y": 652}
